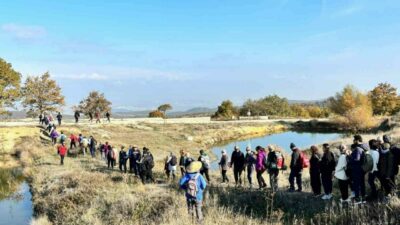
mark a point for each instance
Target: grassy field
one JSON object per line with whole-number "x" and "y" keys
{"x": 84, "y": 191}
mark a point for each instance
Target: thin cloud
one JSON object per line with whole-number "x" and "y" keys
{"x": 84, "y": 76}
{"x": 24, "y": 32}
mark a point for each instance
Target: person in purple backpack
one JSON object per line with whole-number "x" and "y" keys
{"x": 194, "y": 184}
{"x": 54, "y": 135}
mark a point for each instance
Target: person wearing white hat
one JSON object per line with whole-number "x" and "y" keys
{"x": 224, "y": 165}
{"x": 194, "y": 184}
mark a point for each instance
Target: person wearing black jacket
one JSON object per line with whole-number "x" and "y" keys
{"x": 296, "y": 169}
{"x": 385, "y": 169}
{"x": 250, "y": 161}
{"x": 238, "y": 163}
{"x": 59, "y": 118}
{"x": 77, "y": 115}
{"x": 327, "y": 167}
{"x": 123, "y": 157}
{"x": 315, "y": 172}
{"x": 396, "y": 157}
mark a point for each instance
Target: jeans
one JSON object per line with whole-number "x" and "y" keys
{"x": 250, "y": 171}
{"x": 194, "y": 208}
{"x": 295, "y": 174}
{"x": 358, "y": 182}
{"x": 237, "y": 173}
{"x": 273, "y": 179}
{"x": 260, "y": 179}
{"x": 93, "y": 151}
{"x": 224, "y": 176}
{"x": 72, "y": 144}
{"x": 326, "y": 179}
{"x": 315, "y": 178}
{"x": 122, "y": 166}
{"x": 387, "y": 184}
{"x": 371, "y": 181}
{"x": 344, "y": 188}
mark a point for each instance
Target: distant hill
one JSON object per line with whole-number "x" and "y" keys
{"x": 194, "y": 112}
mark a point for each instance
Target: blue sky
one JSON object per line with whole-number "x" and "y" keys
{"x": 198, "y": 53}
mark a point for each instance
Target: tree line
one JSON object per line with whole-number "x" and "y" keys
{"x": 349, "y": 107}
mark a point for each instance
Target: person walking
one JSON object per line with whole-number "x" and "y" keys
{"x": 77, "y": 115}
{"x": 41, "y": 118}
{"x": 374, "y": 174}
{"x": 108, "y": 116}
{"x": 54, "y": 135}
{"x": 327, "y": 167}
{"x": 224, "y": 165}
{"x": 73, "y": 140}
{"x": 261, "y": 167}
{"x": 84, "y": 145}
{"x": 385, "y": 170}
{"x": 341, "y": 176}
{"x": 357, "y": 173}
{"x": 62, "y": 151}
{"x": 92, "y": 146}
{"x": 238, "y": 163}
{"x": 123, "y": 157}
{"x": 250, "y": 162}
{"x": 205, "y": 160}
{"x": 90, "y": 117}
{"x": 396, "y": 158}
{"x": 315, "y": 171}
{"x": 194, "y": 184}
{"x": 275, "y": 162}
{"x": 182, "y": 160}
{"x": 111, "y": 157}
{"x": 137, "y": 157}
{"x": 59, "y": 118}
{"x": 97, "y": 114}
{"x": 172, "y": 162}
{"x": 146, "y": 167}
{"x": 296, "y": 168}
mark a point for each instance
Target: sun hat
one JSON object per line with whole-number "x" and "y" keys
{"x": 194, "y": 167}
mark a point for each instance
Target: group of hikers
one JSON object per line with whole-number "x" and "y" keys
{"x": 96, "y": 115}
{"x": 377, "y": 160}
{"x": 48, "y": 119}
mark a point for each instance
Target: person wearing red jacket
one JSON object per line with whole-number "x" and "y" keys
{"x": 62, "y": 151}
{"x": 74, "y": 139}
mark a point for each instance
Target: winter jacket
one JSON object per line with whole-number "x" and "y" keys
{"x": 237, "y": 160}
{"x": 396, "y": 158}
{"x": 54, "y": 134}
{"x": 62, "y": 150}
{"x": 223, "y": 163}
{"x": 122, "y": 156}
{"x": 315, "y": 163}
{"x": 201, "y": 185}
{"x": 273, "y": 159}
{"x": 355, "y": 158}
{"x": 205, "y": 161}
{"x": 250, "y": 161}
{"x": 385, "y": 164}
{"x": 340, "y": 170}
{"x": 295, "y": 162}
{"x": 327, "y": 164}
{"x": 260, "y": 160}
{"x": 73, "y": 138}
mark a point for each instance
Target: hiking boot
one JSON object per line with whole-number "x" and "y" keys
{"x": 325, "y": 197}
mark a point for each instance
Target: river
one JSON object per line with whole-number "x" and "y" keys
{"x": 283, "y": 140}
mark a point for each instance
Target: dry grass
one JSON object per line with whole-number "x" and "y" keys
{"x": 83, "y": 191}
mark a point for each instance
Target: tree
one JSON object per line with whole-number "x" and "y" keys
{"x": 41, "y": 94}
{"x": 384, "y": 99}
{"x": 156, "y": 113}
{"x": 95, "y": 102}
{"x": 164, "y": 108}
{"x": 272, "y": 105}
{"x": 226, "y": 111}
{"x": 353, "y": 107}
{"x": 10, "y": 82}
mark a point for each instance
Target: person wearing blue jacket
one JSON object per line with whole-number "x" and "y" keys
{"x": 194, "y": 184}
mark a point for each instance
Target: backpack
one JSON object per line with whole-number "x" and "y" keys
{"x": 367, "y": 162}
{"x": 205, "y": 160}
{"x": 305, "y": 162}
{"x": 279, "y": 160}
{"x": 191, "y": 187}
{"x": 150, "y": 161}
{"x": 173, "y": 161}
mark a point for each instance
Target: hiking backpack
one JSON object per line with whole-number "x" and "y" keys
{"x": 173, "y": 161}
{"x": 367, "y": 162}
{"x": 205, "y": 161}
{"x": 305, "y": 162}
{"x": 150, "y": 161}
{"x": 279, "y": 160}
{"x": 191, "y": 189}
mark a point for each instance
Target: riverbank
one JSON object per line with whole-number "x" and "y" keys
{"x": 84, "y": 191}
